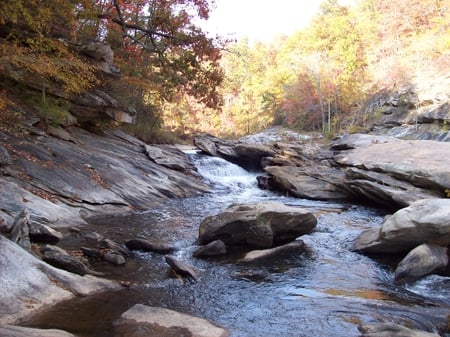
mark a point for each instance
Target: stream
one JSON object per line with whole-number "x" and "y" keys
{"x": 326, "y": 291}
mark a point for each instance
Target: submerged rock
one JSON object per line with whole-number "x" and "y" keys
{"x": 142, "y": 320}
{"x": 262, "y": 225}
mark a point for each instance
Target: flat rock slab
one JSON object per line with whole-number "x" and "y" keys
{"x": 16, "y": 331}
{"x": 422, "y": 163}
{"x": 163, "y": 322}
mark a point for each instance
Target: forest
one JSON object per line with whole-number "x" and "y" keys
{"x": 180, "y": 81}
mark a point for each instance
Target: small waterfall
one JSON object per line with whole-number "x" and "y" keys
{"x": 225, "y": 175}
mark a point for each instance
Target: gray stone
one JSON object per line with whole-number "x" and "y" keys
{"x": 291, "y": 248}
{"x": 15, "y": 331}
{"x": 423, "y": 260}
{"x": 260, "y": 225}
{"x": 181, "y": 268}
{"x": 5, "y": 158}
{"x": 423, "y": 221}
{"x": 43, "y": 234}
{"x": 213, "y": 248}
{"x": 163, "y": 322}
{"x": 149, "y": 246}
{"x": 31, "y": 285}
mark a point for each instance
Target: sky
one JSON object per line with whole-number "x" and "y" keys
{"x": 261, "y": 20}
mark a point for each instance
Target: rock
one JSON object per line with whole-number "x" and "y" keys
{"x": 67, "y": 262}
{"x": 60, "y": 133}
{"x": 260, "y": 225}
{"x": 5, "y": 158}
{"x": 93, "y": 238}
{"x": 43, "y": 234}
{"x": 171, "y": 158}
{"x": 114, "y": 258}
{"x": 424, "y": 221}
{"x": 294, "y": 247}
{"x": 423, "y": 164}
{"x": 181, "y": 268}
{"x": 392, "y": 330}
{"x": 114, "y": 246}
{"x": 421, "y": 261}
{"x": 148, "y": 246}
{"x": 14, "y": 331}
{"x": 102, "y": 56}
{"x": 97, "y": 106}
{"x": 106, "y": 173}
{"x": 383, "y": 189}
{"x": 213, "y": 248}
{"x": 32, "y": 284}
{"x": 357, "y": 140}
{"x": 245, "y": 155}
{"x": 154, "y": 321}
{"x": 317, "y": 183}
{"x": 20, "y": 230}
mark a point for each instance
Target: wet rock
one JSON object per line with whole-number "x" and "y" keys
{"x": 114, "y": 246}
{"x": 93, "y": 238}
{"x": 91, "y": 252}
{"x": 181, "y": 268}
{"x": 213, "y": 248}
{"x": 32, "y": 284}
{"x": 260, "y": 225}
{"x": 423, "y": 260}
{"x": 424, "y": 221}
{"x": 67, "y": 262}
{"x": 392, "y": 330}
{"x": 142, "y": 320}
{"x": 114, "y": 258}
{"x": 296, "y": 247}
{"x": 14, "y": 331}
{"x": 43, "y": 234}
{"x": 148, "y": 246}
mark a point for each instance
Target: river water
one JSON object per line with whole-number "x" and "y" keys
{"x": 327, "y": 291}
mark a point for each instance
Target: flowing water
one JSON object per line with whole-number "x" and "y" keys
{"x": 326, "y": 291}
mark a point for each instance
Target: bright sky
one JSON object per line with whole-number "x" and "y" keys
{"x": 262, "y": 19}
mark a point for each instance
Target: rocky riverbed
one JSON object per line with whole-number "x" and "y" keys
{"x": 64, "y": 184}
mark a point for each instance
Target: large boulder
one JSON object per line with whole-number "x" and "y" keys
{"x": 425, "y": 221}
{"x": 142, "y": 320}
{"x": 262, "y": 225}
{"x": 28, "y": 284}
{"x": 421, "y": 261}
{"x": 317, "y": 183}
